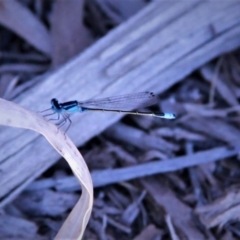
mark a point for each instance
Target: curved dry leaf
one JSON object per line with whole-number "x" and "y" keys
{"x": 15, "y": 116}
{"x": 22, "y": 21}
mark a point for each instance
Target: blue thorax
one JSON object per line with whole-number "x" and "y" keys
{"x": 69, "y": 107}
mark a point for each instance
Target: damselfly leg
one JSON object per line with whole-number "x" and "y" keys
{"x": 65, "y": 119}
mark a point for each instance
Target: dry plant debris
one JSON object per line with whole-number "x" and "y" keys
{"x": 15, "y": 116}
{"x": 153, "y": 179}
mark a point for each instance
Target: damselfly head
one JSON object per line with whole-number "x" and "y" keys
{"x": 55, "y": 105}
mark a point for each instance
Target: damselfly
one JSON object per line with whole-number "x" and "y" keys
{"x": 119, "y": 104}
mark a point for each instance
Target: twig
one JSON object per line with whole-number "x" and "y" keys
{"x": 110, "y": 176}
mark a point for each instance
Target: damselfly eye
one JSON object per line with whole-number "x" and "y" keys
{"x": 54, "y": 101}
